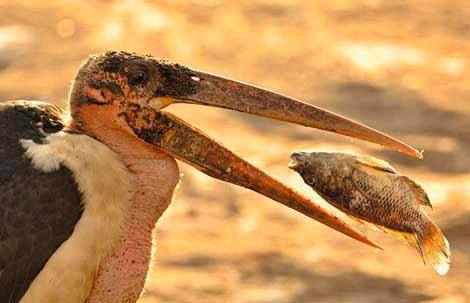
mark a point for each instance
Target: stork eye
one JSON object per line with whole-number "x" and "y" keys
{"x": 137, "y": 77}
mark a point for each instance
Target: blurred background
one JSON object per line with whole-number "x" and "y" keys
{"x": 398, "y": 66}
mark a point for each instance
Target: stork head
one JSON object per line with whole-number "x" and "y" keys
{"x": 128, "y": 91}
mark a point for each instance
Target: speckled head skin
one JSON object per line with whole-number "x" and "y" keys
{"x": 126, "y": 80}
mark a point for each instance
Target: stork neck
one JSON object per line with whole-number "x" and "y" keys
{"x": 122, "y": 273}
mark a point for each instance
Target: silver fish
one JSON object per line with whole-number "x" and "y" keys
{"x": 372, "y": 192}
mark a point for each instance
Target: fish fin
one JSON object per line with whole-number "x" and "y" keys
{"x": 405, "y": 237}
{"x": 375, "y": 163}
{"x": 408, "y": 238}
{"x": 434, "y": 247}
{"x": 419, "y": 192}
{"x": 431, "y": 243}
{"x": 364, "y": 222}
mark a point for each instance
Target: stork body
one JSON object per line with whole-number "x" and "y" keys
{"x": 81, "y": 191}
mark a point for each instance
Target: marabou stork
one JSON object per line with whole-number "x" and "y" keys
{"x": 81, "y": 189}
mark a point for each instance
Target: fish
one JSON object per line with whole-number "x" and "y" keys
{"x": 372, "y": 192}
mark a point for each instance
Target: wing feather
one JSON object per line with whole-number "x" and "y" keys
{"x": 38, "y": 211}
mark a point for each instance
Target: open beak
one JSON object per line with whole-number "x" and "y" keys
{"x": 212, "y": 90}
{"x": 192, "y": 146}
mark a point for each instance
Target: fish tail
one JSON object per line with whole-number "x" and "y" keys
{"x": 434, "y": 247}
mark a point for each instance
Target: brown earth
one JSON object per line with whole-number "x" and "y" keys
{"x": 399, "y": 66}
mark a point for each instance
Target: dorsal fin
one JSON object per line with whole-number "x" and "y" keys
{"x": 376, "y": 163}
{"x": 421, "y": 195}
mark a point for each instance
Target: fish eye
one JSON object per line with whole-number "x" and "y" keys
{"x": 137, "y": 77}
{"x": 311, "y": 181}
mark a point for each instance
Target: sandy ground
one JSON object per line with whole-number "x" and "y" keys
{"x": 399, "y": 66}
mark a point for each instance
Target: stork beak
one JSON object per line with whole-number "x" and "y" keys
{"x": 192, "y": 146}
{"x": 208, "y": 89}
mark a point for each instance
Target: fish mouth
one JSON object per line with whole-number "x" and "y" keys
{"x": 297, "y": 160}
{"x": 294, "y": 164}
{"x": 188, "y": 144}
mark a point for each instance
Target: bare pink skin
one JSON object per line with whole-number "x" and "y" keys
{"x": 121, "y": 275}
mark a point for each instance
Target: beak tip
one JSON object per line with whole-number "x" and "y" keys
{"x": 364, "y": 239}
{"x": 421, "y": 156}
{"x": 377, "y": 245}
{"x": 415, "y": 153}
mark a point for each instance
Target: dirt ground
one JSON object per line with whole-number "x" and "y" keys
{"x": 399, "y": 66}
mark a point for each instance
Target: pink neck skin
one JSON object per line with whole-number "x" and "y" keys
{"x": 122, "y": 274}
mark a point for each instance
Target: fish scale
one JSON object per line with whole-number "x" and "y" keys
{"x": 370, "y": 191}
{"x": 392, "y": 201}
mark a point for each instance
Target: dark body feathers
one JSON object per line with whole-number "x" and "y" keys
{"x": 38, "y": 211}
